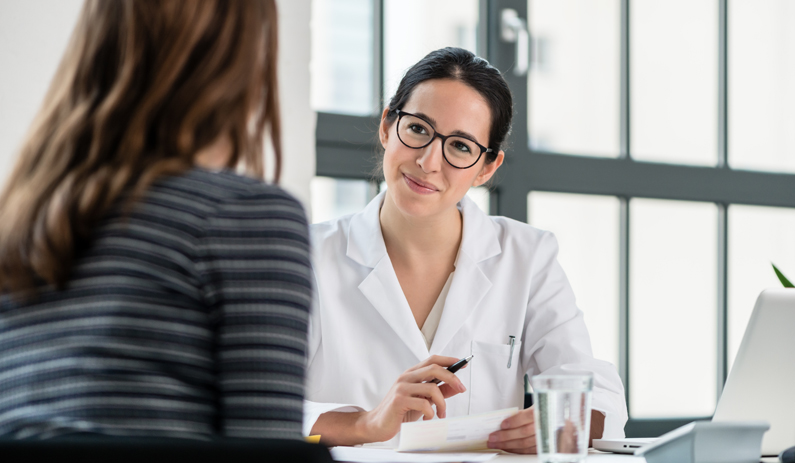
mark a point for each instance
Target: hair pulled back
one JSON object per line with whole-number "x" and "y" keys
{"x": 463, "y": 66}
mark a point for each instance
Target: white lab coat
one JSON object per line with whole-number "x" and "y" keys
{"x": 507, "y": 282}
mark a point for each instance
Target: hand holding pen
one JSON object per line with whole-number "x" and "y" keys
{"x": 455, "y": 367}
{"x": 413, "y": 396}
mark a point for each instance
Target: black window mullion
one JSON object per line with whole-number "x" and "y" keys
{"x": 723, "y": 208}
{"x": 624, "y": 144}
{"x": 512, "y": 185}
{"x": 378, "y": 56}
{"x": 723, "y": 79}
{"x": 624, "y": 107}
{"x": 722, "y": 309}
{"x": 623, "y": 314}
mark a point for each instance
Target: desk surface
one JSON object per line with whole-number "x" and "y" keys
{"x": 594, "y": 456}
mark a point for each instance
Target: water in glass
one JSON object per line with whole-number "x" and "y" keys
{"x": 562, "y": 417}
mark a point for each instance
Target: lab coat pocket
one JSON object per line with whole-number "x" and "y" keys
{"x": 494, "y": 384}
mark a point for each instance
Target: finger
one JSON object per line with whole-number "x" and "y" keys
{"x": 521, "y": 432}
{"x": 431, "y": 372}
{"x": 448, "y": 391}
{"x": 421, "y": 405}
{"x": 432, "y": 394}
{"x": 520, "y": 419}
{"x": 435, "y": 360}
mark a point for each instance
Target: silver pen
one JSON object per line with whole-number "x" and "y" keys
{"x": 512, "y": 342}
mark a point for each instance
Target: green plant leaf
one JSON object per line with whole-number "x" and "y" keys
{"x": 781, "y": 277}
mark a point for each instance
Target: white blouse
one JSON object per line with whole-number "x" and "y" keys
{"x": 432, "y": 322}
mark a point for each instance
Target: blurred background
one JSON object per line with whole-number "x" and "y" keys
{"x": 653, "y": 138}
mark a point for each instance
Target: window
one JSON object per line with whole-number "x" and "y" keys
{"x": 652, "y": 138}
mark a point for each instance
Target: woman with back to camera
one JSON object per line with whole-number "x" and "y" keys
{"x": 421, "y": 278}
{"x": 147, "y": 289}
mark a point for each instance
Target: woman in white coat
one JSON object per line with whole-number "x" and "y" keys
{"x": 421, "y": 278}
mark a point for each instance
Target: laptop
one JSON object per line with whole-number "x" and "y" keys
{"x": 761, "y": 384}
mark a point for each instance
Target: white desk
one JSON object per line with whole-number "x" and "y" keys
{"x": 593, "y": 456}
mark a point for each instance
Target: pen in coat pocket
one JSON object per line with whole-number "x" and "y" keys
{"x": 512, "y": 342}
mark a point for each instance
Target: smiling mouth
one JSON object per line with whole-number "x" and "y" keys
{"x": 417, "y": 186}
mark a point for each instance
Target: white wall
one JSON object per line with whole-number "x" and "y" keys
{"x": 33, "y": 36}
{"x": 34, "y": 33}
{"x": 298, "y": 118}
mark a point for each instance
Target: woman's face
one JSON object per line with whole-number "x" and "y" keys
{"x": 420, "y": 182}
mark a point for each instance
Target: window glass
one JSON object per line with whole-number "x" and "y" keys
{"x": 342, "y": 57}
{"x": 480, "y": 195}
{"x": 414, "y": 28}
{"x": 33, "y": 37}
{"x": 758, "y": 236}
{"x": 586, "y": 227}
{"x": 573, "y": 81}
{"x": 674, "y": 81}
{"x": 335, "y": 197}
{"x": 761, "y": 94}
{"x": 673, "y": 308}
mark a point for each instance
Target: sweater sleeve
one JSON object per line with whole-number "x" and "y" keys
{"x": 255, "y": 267}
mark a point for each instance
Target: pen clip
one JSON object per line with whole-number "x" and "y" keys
{"x": 512, "y": 342}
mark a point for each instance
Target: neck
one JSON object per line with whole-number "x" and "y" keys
{"x": 419, "y": 239}
{"x": 216, "y": 155}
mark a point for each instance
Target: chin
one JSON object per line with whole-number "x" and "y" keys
{"x": 416, "y": 205}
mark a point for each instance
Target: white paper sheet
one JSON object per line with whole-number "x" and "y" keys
{"x": 372, "y": 455}
{"x": 452, "y": 434}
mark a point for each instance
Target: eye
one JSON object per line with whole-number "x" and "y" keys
{"x": 462, "y": 147}
{"x": 418, "y": 129}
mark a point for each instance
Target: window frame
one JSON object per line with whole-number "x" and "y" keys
{"x": 347, "y": 147}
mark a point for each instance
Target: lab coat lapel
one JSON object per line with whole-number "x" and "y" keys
{"x": 381, "y": 287}
{"x": 470, "y": 284}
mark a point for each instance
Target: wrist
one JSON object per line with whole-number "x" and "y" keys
{"x": 364, "y": 428}
{"x": 341, "y": 428}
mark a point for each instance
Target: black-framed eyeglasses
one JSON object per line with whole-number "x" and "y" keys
{"x": 459, "y": 151}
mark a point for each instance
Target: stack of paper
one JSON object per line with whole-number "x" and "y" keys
{"x": 452, "y": 434}
{"x": 371, "y": 455}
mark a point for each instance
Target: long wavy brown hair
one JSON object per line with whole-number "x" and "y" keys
{"x": 143, "y": 86}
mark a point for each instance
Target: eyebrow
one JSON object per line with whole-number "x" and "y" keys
{"x": 455, "y": 132}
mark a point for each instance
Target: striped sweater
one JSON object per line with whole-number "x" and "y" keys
{"x": 185, "y": 318}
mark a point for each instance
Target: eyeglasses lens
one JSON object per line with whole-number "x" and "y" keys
{"x": 416, "y": 133}
{"x": 461, "y": 152}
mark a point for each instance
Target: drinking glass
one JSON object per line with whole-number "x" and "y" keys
{"x": 562, "y": 416}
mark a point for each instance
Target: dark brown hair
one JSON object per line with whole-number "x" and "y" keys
{"x": 143, "y": 86}
{"x": 462, "y": 65}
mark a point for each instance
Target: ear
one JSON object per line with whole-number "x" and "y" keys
{"x": 383, "y": 129}
{"x": 487, "y": 171}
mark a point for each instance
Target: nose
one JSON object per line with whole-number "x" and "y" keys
{"x": 431, "y": 157}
